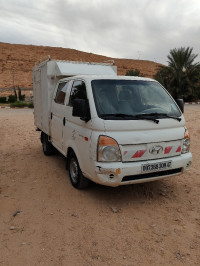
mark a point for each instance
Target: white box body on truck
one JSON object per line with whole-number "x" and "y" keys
{"x": 113, "y": 130}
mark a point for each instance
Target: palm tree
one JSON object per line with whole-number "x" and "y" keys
{"x": 182, "y": 75}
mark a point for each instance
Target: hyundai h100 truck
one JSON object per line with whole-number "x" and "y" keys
{"x": 113, "y": 130}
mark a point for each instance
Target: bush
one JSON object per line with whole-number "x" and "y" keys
{"x": 11, "y": 98}
{"x": 190, "y": 98}
{"x": 2, "y": 99}
{"x": 18, "y": 104}
{"x": 30, "y": 105}
{"x": 132, "y": 72}
{"x": 22, "y": 104}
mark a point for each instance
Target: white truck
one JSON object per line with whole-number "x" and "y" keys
{"x": 113, "y": 130}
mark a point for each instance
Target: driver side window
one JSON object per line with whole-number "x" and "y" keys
{"x": 78, "y": 91}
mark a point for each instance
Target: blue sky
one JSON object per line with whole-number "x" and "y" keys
{"x": 134, "y": 29}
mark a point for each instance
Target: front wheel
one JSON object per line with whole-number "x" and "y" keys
{"x": 77, "y": 178}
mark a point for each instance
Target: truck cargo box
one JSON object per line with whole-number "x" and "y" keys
{"x": 46, "y": 75}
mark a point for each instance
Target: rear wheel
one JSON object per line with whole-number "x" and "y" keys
{"x": 77, "y": 178}
{"x": 47, "y": 147}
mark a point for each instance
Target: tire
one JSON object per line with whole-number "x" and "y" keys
{"x": 77, "y": 178}
{"x": 47, "y": 147}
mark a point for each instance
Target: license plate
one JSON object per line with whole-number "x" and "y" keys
{"x": 153, "y": 167}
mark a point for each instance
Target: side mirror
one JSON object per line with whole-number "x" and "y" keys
{"x": 81, "y": 109}
{"x": 180, "y": 103}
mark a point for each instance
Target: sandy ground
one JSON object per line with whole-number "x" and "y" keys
{"x": 155, "y": 223}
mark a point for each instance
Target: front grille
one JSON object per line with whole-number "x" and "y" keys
{"x": 150, "y": 175}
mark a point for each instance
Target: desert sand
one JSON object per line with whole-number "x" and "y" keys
{"x": 45, "y": 221}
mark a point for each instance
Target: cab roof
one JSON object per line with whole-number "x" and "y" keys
{"x": 95, "y": 77}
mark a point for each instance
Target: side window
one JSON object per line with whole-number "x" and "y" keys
{"x": 61, "y": 91}
{"x": 78, "y": 91}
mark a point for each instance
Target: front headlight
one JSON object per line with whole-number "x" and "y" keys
{"x": 186, "y": 142}
{"x": 108, "y": 150}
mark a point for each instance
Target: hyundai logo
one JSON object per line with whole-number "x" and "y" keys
{"x": 156, "y": 149}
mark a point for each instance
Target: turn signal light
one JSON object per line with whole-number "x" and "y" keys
{"x": 186, "y": 142}
{"x": 108, "y": 150}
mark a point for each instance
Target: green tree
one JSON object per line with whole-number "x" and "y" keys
{"x": 182, "y": 75}
{"x": 132, "y": 72}
{"x": 15, "y": 93}
{"x": 21, "y": 96}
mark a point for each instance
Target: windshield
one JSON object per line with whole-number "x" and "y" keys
{"x": 132, "y": 97}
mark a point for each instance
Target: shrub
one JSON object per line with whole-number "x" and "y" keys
{"x": 2, "y": 99}
{"x": 132, "y": 72}
{"x": 190, "y": 98}
{"x": 11, "y": 98}
{"x": 30, "y": 105}
{"x": 22, "y": 104}
{"x": 18, "y": 104}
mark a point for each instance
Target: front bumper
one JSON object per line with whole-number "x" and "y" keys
{"x": 119, "y": 173}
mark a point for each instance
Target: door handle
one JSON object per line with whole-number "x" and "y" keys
{"x": 64, "y": 121}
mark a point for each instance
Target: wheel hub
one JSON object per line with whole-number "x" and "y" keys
{"x": 74, "y": 170}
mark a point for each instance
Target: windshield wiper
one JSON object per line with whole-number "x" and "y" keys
{"x": 132, "y": 117}
{"x": 162, "y": 115}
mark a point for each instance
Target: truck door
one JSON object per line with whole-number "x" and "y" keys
{"x": 58, "y": 115}
{"x": 77, "y": 133}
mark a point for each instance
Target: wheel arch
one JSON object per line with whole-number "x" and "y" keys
{"x": 77, "y": 178}
{"x": 76, "y": 152}
{"x": 69, "y": 150}
{"x": 42, "y": 136}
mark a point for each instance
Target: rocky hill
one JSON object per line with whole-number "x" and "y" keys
{"x": 17, "y": 62}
